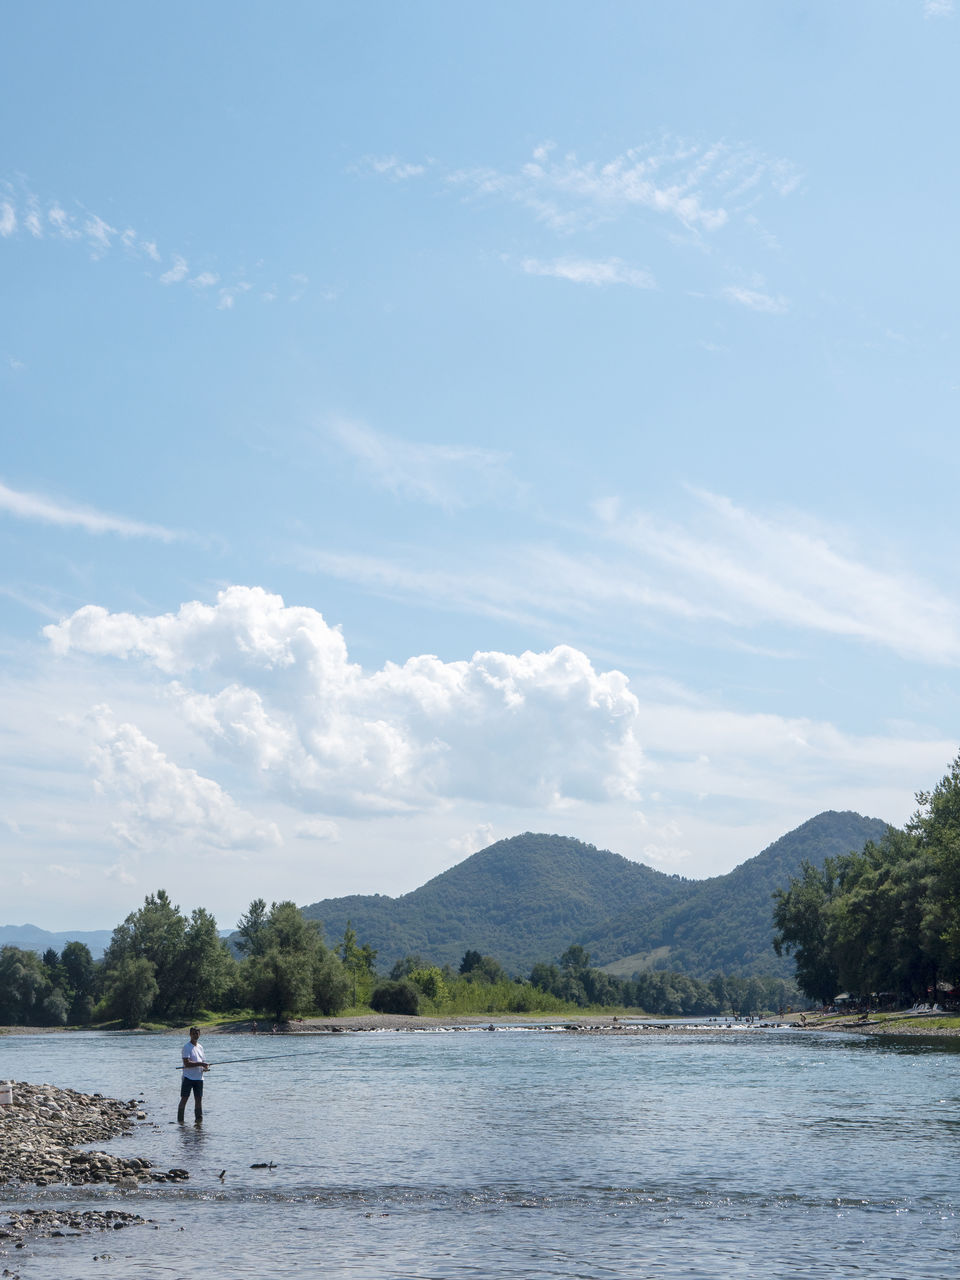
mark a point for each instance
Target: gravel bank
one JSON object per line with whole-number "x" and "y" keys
{"x": 42, "y": 1132}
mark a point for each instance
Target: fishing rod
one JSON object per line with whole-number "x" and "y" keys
{"x": 264, "y": 1057}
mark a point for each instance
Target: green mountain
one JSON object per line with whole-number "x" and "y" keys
{"x": 528, "y": 898}
{"x": 725, "y": 923}
{"x": 521, "y": 900}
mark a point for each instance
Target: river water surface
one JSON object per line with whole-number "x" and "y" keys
{"x": 520, "y": 1153}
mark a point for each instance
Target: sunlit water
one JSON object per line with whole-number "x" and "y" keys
{"x": 520, "y": 1153}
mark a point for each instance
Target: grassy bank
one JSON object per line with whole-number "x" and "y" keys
{"x": 896, "y": 1022}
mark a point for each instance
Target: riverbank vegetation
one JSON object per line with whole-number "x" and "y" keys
{"x": 164, "y": 968}
{"x": 883, "y": 924}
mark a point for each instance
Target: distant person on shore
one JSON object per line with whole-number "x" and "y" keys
{"x": 194, "y": 1066}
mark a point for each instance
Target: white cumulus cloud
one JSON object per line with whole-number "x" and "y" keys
{"x": 272, "y": 690}
{"x": 159, "y": 802}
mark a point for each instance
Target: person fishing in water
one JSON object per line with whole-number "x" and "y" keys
{"x": 194, "y": 1066}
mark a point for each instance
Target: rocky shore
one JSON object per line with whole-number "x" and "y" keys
{"x": 42, "y": 1131}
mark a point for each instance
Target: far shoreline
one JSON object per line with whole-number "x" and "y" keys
{"x": 904, "y": 1023}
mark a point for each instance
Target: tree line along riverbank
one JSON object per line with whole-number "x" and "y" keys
{"x": 163, "y": 968}
{"x": 883, "y": 924}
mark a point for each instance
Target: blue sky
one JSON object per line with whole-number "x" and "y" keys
{"x": 423, "y": 424}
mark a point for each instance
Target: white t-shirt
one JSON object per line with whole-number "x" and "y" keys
{"x": 195, "y": 1053}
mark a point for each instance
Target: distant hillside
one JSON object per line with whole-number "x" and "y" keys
{"x": 521, "y": 900}
{"x": 29, "y": 938}
{"x": 528, "y": 898}
{"x": 725, "y": 923}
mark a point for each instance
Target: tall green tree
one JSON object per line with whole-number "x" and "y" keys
{"x": 24, "y": 985}
{"x": 207, "y": 969}
{"x": 81, "y": 975}
{"x": 156, "y": 932}
{"x": 252, "y": 929}
{"x": 191, "y": 964}
{"x": 131, "y": 990}
{"x": 885, "y": 920}
{"x": 406, "y": 965}
{"x": 279, "y": 976}
{"x": 800, "y": 918}
{"x": 359, "y": 962}
{"x": 936, "y": 824}
{"x": 331, "y": 984}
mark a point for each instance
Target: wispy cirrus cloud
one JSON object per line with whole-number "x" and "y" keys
{"x": 755, "y": 300}
{"x": 542, "y": 588}
{"x": 34, "y": 506}
{"x": 755, "y": 569}
{"x": 22, "y": 212}
{"x": 591, "y": 272}
{"x": 938, "y": 8}
{"x": 689, "y": 194}
{"x": 448, "y": 476}
{"x": 390, "y": 167}
{"x": 722, "y": 574}
{"x": 699, "y": 187}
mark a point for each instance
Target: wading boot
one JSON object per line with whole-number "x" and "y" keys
{"x": 180, "y": 1110}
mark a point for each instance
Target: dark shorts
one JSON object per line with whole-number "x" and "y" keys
{"x": 191, "y": 1086}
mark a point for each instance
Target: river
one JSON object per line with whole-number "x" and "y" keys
{"x": 449, "y": 1154}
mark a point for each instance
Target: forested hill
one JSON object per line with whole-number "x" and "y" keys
{"x": 726, "y": 923}
{"x": 528, "y": 898}
{"x": 521, "y": 900}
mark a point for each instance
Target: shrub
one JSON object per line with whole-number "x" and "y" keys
{"x": 430, "y": 982}
{"x": 331, "y": 985}
{"x": 395, "y": 997}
